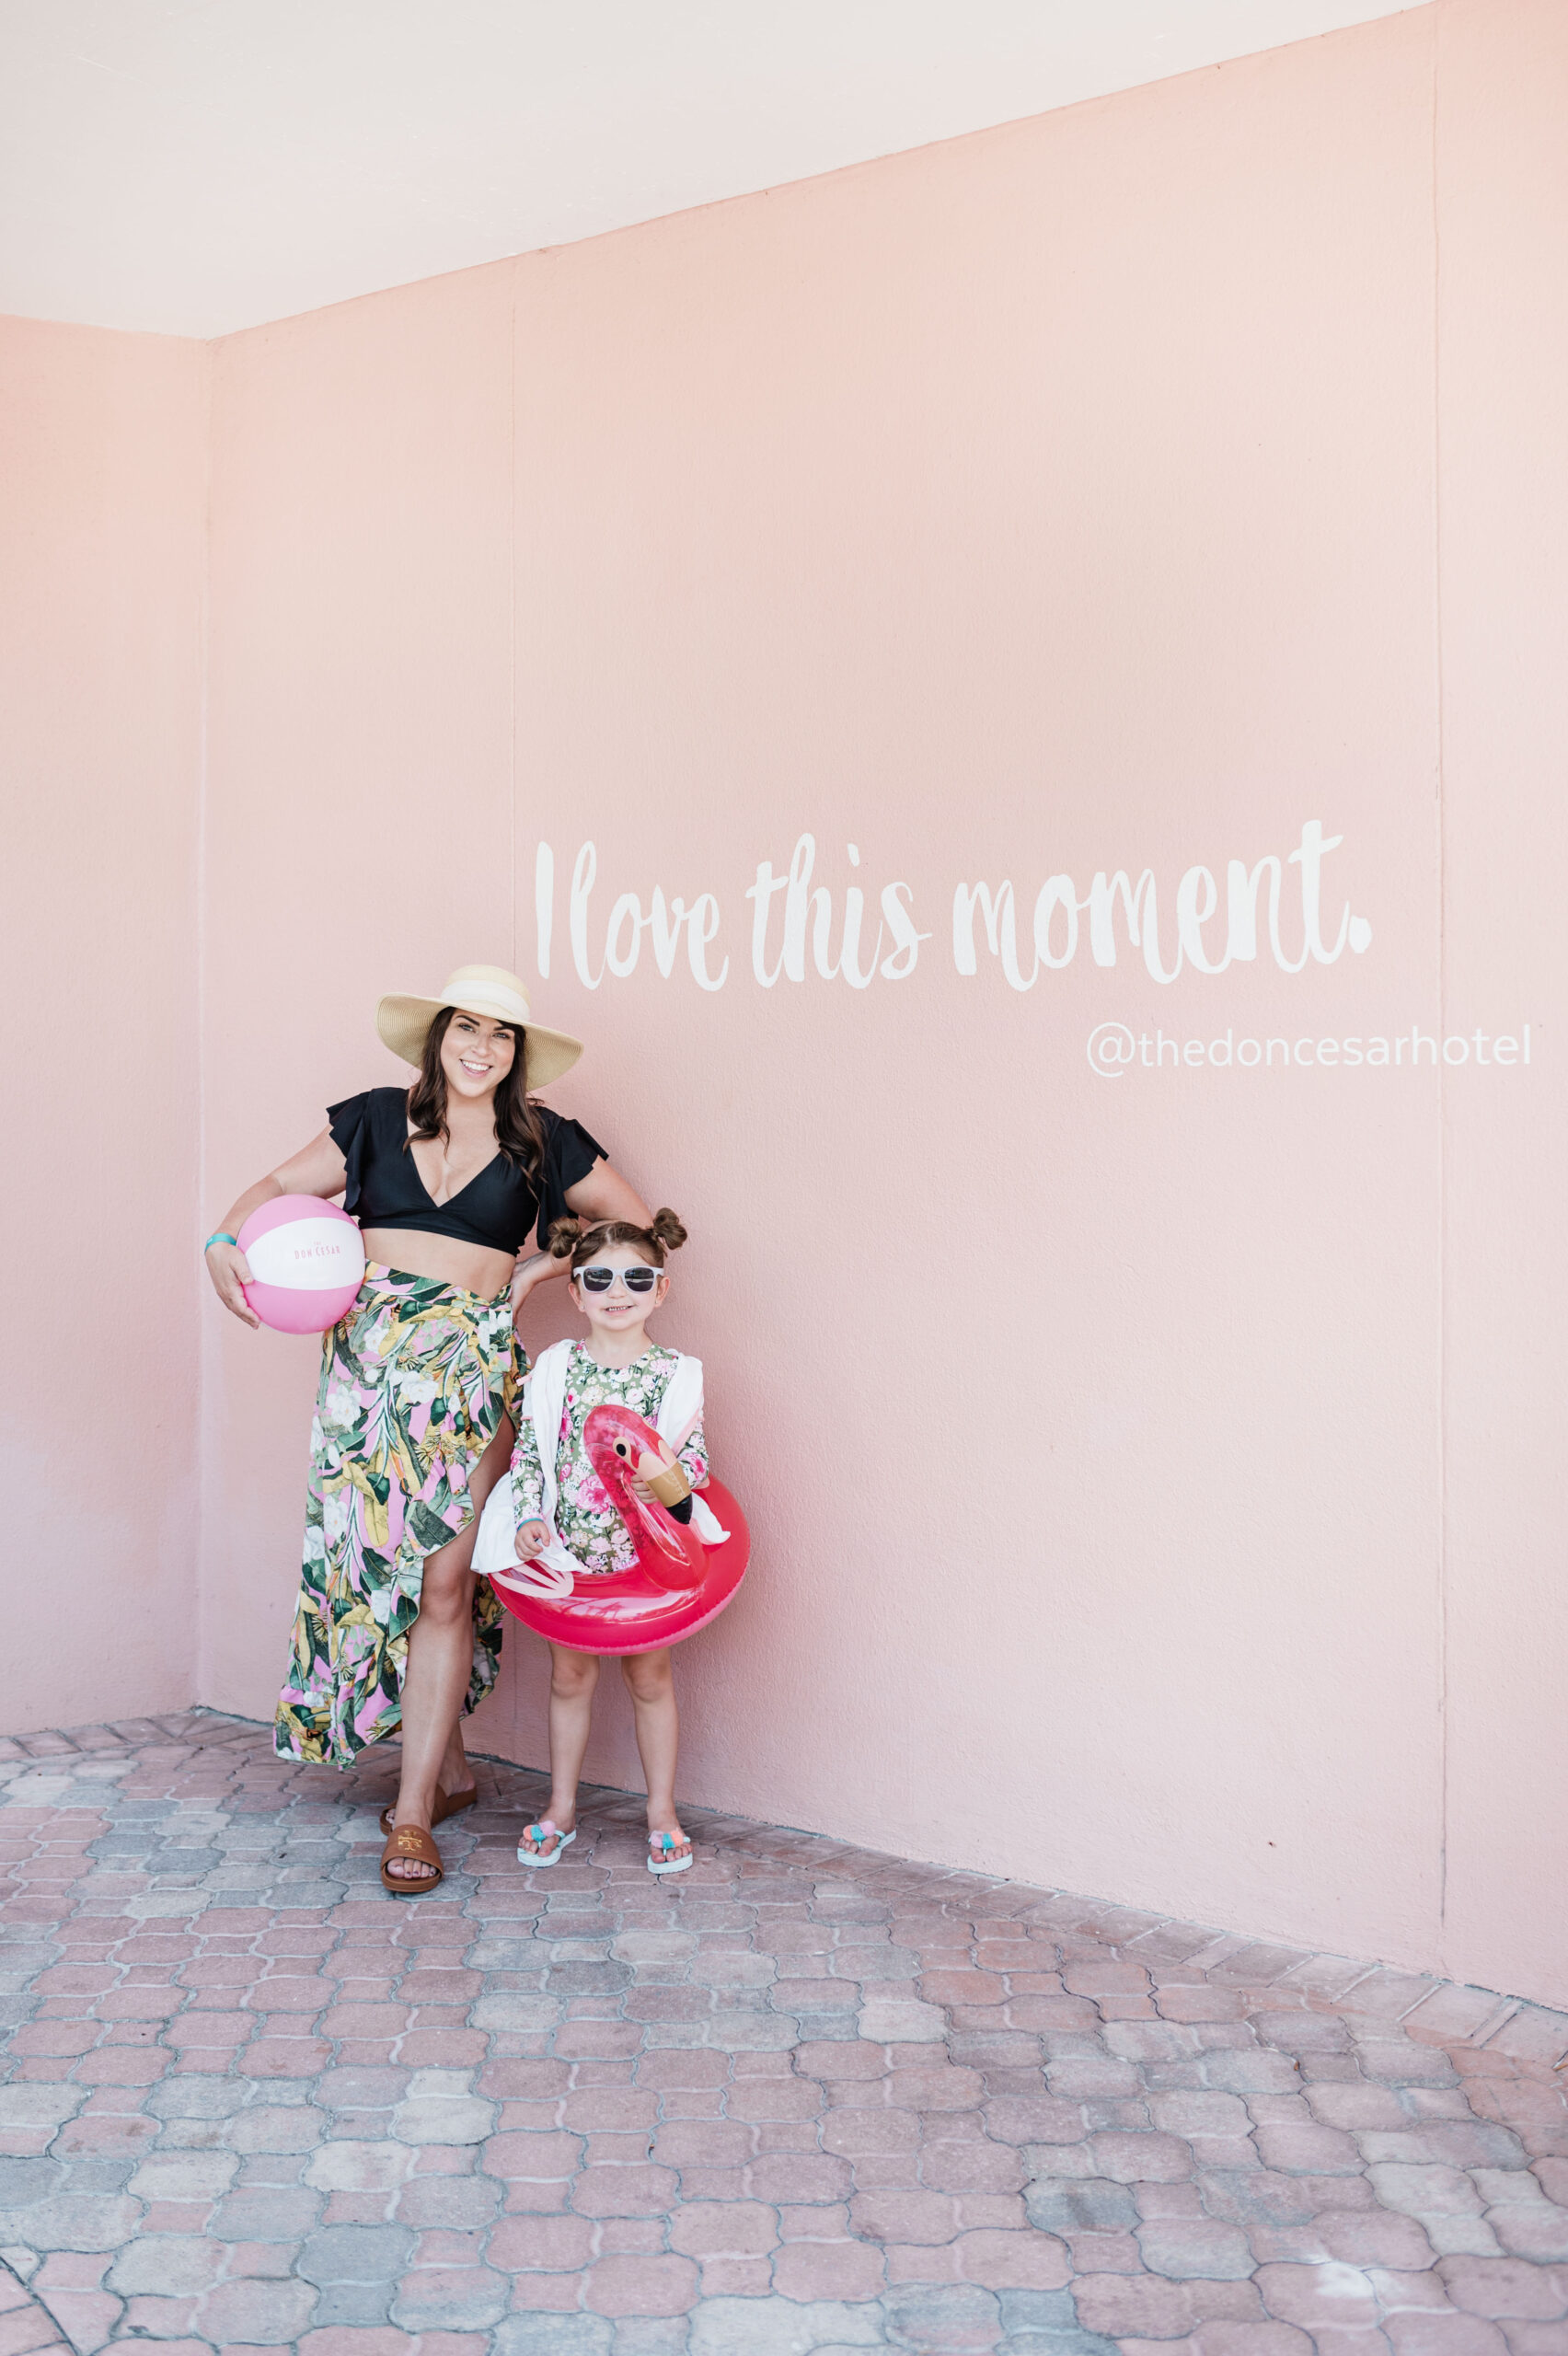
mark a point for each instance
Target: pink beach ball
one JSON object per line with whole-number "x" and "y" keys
{"x": 307, "y": 1261}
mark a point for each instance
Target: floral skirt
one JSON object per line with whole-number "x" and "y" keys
{"x": 414, "y": 1381}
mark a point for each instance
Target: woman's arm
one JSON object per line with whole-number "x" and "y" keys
{"x": 603, "y": 1193}
{"x": 319, "y": 1169}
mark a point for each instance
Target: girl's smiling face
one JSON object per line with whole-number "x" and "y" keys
{"x": 618, "y": 1309}
{"x": 477, "y": 1054}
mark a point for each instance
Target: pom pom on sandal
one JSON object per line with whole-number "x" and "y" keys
{"x": 660, "y": 1845}
{"x": 545, "y": 1832}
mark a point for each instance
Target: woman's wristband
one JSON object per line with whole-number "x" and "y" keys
{"x": 219, "y": 1237}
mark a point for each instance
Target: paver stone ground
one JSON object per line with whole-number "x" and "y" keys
{"x": 801, "y": 2101}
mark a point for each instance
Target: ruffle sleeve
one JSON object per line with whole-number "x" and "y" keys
{"x": 349, "y": 1122}
{"x": 570, "y": 1154}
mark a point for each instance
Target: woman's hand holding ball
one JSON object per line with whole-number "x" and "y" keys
{"x": 230, "y": 1269}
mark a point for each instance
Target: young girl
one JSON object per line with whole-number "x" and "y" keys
{"x": 617, "y": 1280}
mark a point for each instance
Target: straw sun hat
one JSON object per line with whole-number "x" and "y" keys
{"x": 478, "y": 990}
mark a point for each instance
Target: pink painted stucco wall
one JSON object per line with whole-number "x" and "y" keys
{"x": 1155, "y": 1476}
{"x": 103, "y": 469}
{"x": 1503, "y": 395}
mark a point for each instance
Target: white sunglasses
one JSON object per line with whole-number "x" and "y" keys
{"x": 598, "y": 1278}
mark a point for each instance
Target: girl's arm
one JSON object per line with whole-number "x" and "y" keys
{"x": 528, "y": 1490}
{"x": 691, "y": 1458}
{"x": 318, "y": 1169}
{"x": 603, "y": 1193}
{"x": 693, "y": 1454}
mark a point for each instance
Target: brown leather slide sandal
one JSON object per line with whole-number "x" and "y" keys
{"x": 411, "y": 1840}
{"x": 443, "y": 1808}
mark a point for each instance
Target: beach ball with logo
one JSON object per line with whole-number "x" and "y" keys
{"x": 306, "y": 1263}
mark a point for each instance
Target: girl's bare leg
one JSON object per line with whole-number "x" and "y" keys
{"x": 573, "y": 1677}
{"x": 652, "y": 1684}
{"x": 440, "y": 1660}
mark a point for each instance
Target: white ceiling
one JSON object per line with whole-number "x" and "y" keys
{"x": 196, "y": 166}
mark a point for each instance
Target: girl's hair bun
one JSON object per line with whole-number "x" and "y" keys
{"x": 664, "y": 1233}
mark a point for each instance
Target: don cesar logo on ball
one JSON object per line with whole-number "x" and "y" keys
{"x": 307, "y": 1261}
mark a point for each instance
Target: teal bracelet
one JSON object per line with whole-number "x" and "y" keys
{"x": 219, "y": 1237}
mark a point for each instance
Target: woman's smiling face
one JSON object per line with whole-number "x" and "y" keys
{"x": 477, "y": 1054}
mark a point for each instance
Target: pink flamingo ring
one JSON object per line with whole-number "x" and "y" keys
{"x": 676, "y": 1585}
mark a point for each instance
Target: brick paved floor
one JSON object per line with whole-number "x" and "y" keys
{"x": 802, "y": 2099}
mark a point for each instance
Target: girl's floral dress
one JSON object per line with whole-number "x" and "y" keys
{"x": 414, "y": 1381}
{"x": 586, "y": 1522}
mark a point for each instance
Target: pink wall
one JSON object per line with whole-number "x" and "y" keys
{"x": 1056, "y": 501}
{"x": 1503, "y": 207}
{"x": 360, "y": 824}
{"x": 103, "y": 467}
{"x": 1153, "y": 1475}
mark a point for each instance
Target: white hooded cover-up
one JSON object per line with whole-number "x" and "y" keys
{"x": 553, "y": 1572}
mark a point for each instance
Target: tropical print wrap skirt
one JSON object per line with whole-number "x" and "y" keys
{"x": 414, "y": 1381}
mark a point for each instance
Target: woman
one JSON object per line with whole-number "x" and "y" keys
{"x": 414, "y": 1415}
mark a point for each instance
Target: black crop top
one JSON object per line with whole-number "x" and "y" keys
{"x": 496, "y": 1210}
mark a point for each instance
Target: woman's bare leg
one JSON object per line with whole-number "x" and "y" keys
{"x": 652, "y": 1684}
{"x": 440, "y": 1661}
{"x": 573, "y": 1677}
{"x": 454, "y": 1774}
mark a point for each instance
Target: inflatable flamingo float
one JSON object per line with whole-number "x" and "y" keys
{"x": 679, "y": 1581}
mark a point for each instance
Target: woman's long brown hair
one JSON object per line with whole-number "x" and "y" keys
{"x": 519, "y": 1132}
